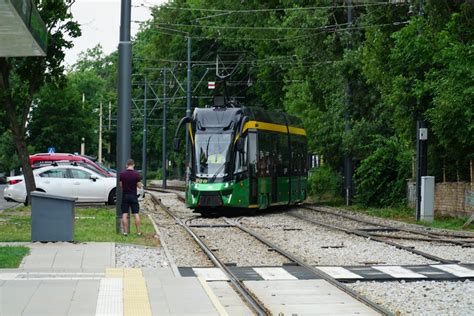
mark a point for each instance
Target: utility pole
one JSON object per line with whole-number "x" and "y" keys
{"x": 347, "y": 124}
{"x": 100, "y": 134}
{"x": 188, "y": 110}
{"x": 124, "y": 101}
{"x": 144, "y": 166}
{"x": 164, "y": 129}
{"x": 421, "y": 146}
{"x": 83, "y": 140}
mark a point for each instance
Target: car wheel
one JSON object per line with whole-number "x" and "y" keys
{"x": 112, "y": 197}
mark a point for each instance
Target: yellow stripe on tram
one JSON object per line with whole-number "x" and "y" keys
{"x": 191, "y": 134}
{"x": 272, "y": 127}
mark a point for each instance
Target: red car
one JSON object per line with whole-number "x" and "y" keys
{"x": 44, "y": 159}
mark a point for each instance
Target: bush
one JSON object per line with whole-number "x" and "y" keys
{"x": 154, "y": 175}
{"x": 381, "y": 177}
{"x": 323, "y": 181}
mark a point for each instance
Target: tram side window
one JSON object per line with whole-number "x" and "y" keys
{"x": 294, "y": 155}
{"x": 252, "y": 152}
{"x": 298, "y": 155}
{"x": 241, "y": 159}
{"x": 283, "y": 155}
{"x": 304, "y": 156}
{"x": 265, "y": 164}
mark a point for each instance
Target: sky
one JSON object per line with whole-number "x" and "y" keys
{"x": 100, "y": 24}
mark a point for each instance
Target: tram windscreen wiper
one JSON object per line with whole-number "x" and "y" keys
{"x": 214, "y": 176}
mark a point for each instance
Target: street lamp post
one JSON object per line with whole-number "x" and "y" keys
{"x": 124, "y": 100}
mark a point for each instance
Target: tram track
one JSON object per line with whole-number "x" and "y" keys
{"x": 372, "y": 233}
{"x": 462, "y": 239}
{"x": 190, "y": 223}
{"x": 245, "y": 293}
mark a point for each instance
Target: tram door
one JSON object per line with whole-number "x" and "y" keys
{"x": 295, "y": 169}
{"x": 252, "y": 159}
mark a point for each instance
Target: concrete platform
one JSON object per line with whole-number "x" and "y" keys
{"x": 306, "y": 297}
{"x": 81, "y": 279}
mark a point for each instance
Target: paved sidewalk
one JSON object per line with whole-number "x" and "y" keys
{"x": 81, "y": 279}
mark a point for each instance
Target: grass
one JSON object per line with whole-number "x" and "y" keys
{"x": 91, "y": 225}
{"x": 406, "y": 214}
{"x": 10, "y": 257}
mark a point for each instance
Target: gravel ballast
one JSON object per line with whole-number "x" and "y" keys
{"x": 421, "y": 298}
{"x": 321, "y": 246}
{"x": 181, "y": 246}
{"x": 131, "y": 256}
{"x": 234, "y": 246}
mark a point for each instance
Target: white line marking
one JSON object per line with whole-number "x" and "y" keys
{"x": 55, "y": 279}
{"x": 398, "y": 272}
{"x": 339, "y": 273}
{"x": 455, "y": 269}
{"x": 274, "y": 274}
{"x": 211, "y": 274}
{"x": 110, "y": 300}
{"x": 8, "y": 276}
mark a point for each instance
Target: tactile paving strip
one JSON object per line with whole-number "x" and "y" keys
{"x": 135, "y": 294}
{"x": 110, "y": 300}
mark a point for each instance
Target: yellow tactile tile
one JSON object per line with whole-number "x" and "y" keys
{"x": 113, "y": 273}
{"x": 135, "y": 294}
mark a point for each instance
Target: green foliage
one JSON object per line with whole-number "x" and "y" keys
{"x": 10, "y": 257}
{"x": 154, "y": 175}
{"x": 349, "y": 87}
{"x": 50, "y": 127}
{"x": 8, "y": 157}
{"x": 381, "y": 177}
{"x": 324, "y": 182}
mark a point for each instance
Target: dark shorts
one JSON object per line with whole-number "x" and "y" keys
{"x": 130, "y": 201}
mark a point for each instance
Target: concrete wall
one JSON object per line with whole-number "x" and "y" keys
{"x": 454, "y": 199}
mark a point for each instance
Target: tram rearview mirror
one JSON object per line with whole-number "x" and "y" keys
{"x": 176, "y": 144}
{"x": 240, "y": 144}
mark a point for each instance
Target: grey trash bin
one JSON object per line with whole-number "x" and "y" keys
{"x": 52, "y": 217}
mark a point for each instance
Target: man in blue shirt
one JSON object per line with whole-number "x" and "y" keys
{"x": 129, "y": 181}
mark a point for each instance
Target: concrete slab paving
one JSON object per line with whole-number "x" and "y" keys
{"x": 15, "y": 296}
{"x": 170, "y": 295}
{"x": 306, "y": 297}
{"x": 84, "y": 300}
{"x": 51, "y": 298}
{"x": 63, "y": 256}
{"x": 229, "y": 299}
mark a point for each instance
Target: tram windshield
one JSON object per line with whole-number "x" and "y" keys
{"x": 211, "y": 154}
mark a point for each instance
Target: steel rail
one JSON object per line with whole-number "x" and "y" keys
{"x": 169, "y": 190}
{"x": 408, "y": 230}
{"x": 319, "y": 273}
{"x": 377, "y": 239}
{"x": 254, "y": 303}
{"x": 441, "y": 240}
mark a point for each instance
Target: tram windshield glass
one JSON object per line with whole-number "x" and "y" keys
{"x": 211, "y": 154}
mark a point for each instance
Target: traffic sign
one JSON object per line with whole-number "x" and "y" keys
{"x": 51, "y": 150}
{"x": 211, "y": 85}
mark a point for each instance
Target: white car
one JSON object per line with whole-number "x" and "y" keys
{"x": 65, "y": 180}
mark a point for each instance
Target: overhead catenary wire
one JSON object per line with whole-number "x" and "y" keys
{"x": 326, "y": 7}
{"x": 333, "y": 28}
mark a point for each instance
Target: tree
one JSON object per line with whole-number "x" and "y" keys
{"x": 21, "y": 78}
{"x": 56, "y": 111}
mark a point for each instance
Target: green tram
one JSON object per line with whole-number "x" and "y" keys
{"x": 244, "y": 157}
